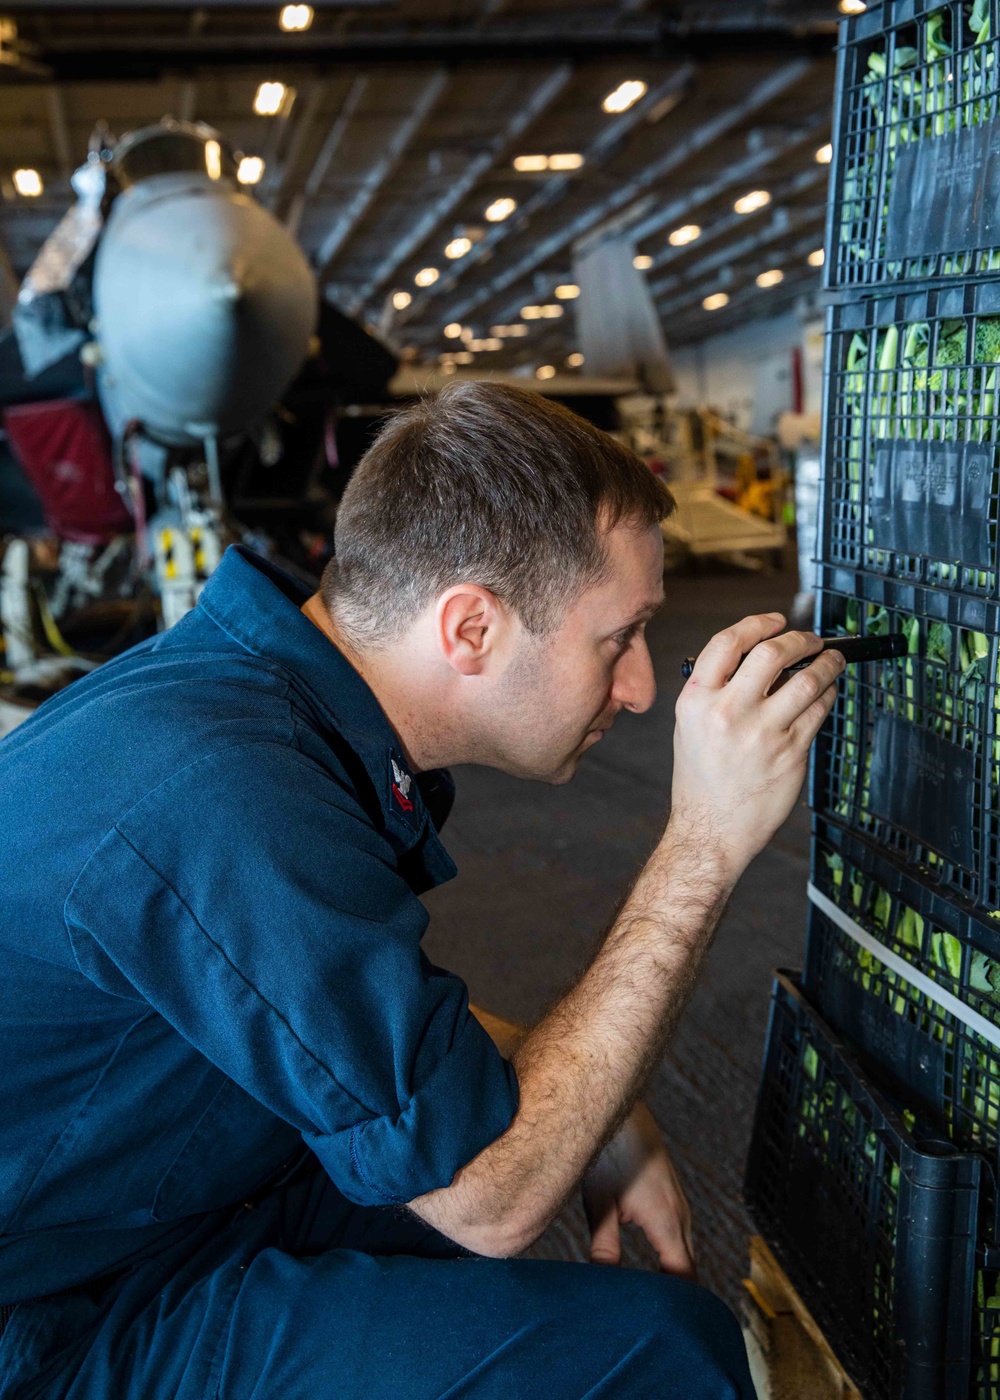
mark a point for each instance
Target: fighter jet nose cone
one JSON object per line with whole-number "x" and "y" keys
{"x": 206, "y": 306}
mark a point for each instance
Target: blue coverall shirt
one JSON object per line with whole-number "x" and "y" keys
{"x": 224, "y": 1058}
{"x": 210, "y": 855}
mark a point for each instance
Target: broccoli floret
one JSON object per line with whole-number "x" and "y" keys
{"x": 951, "y": 343}
{"x": 939, "y": 642}
{"x": 951, "y": 349}
{"x": 988, "y": 340}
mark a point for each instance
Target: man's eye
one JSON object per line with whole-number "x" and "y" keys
{"x": 623, "y": 638}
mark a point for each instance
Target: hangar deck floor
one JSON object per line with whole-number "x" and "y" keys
{"x": 541, "y": 872}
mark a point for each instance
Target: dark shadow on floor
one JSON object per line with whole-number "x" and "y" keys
{"x": 541, "y": 872}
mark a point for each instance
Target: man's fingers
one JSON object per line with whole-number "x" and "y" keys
{"x": 769, "y": 658}
{"x": 673, "y": 1248}
{"x": 811, "y": 720}
{"x": 605, "y": 1230}
{"x": 689, "y": 1242}
{"x": 803, "y": 689}
{"x": 723, "y": 654}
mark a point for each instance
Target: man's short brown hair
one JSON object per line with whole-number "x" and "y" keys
{"x": 483, "y": 483}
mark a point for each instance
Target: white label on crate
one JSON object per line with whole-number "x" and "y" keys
{"x": 906, "y": 970}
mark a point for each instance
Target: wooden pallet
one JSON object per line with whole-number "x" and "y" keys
{"x": 793, "y": 1358}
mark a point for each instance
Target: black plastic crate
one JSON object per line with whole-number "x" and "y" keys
{"x": 889, "y": 984}
{"x": 875, "y": 1226}
{"x": 915, "y": 192}
{"x": 910, "y": 755}
{"x": 912, "y": 437}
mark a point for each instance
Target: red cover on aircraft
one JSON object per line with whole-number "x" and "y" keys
{"x": 64, "y": 448}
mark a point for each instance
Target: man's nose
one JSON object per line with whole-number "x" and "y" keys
{"x": 635, "y": 683}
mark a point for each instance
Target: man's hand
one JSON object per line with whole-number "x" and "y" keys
{"x": 740, "y": 751}
{"x": 634, "y": 1182}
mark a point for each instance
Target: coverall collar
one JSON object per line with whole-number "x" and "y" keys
{"x": 259, "y": 606}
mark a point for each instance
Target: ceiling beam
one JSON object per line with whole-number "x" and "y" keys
{"x": 694, "y": 293}
{"x": 574, "y": 35}
{"x": 276, "y": 187}
{"x": 752, "y": 304}
{"x": 323, "y": 161}
{"x": 799, "y": 184}
{"x": 782, "y": 219}
{"x": 777, "y": 231}
{"x": 599, "y": 152}
{"x": 547, "y": 91}
{"x": 380, "y": 172}
{"x": 689, "y": 146}
{"x": 678, "y": 211}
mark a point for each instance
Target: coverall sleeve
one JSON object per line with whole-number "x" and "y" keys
{"x": 252, "y": 903}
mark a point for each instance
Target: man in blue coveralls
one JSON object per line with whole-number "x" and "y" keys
{"x": 253, "y": 1144}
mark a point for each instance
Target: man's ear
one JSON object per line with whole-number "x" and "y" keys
{"x": 471, "y": 621}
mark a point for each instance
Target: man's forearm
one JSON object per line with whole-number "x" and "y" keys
{"x": 582, "y": 1068}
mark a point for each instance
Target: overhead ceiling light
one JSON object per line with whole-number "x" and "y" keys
{"x": 566, "y": 160}
{"x": 466, "y": 334}
{"x": 771, "y": 278}
{"x": 213, "y": 160}
{"x": 464, "y": 357}
{"x": 269, "y": 98}
{"x": 825, "y": 154}
{"x": 816, "y": 259}
{"x": 531, "y": 163}
{"x": 575, "y": 360}
{"x": 249, "y": 170}
{"x": 427, "y": 276}
{"x": 446, "y": 359}
{"x": 531, "y": 313}
{"x": 567, "y": 291}
{"x": 28, "y": 183}
{"x": 642, "y": 261}
{"x": 507, "y": 331}
{"x": 551, "y": 312}
{"x": 545, "y": 371}
{"x": 453, "y": 330}
{"x": 715, "y": 301}
{"x": 852, "y": 7}
{"x": 756, "y": 199}
{"x": 687, "y": 233}
{"x": 501, "y": 209}
{"x": 448, "y": 367}
{"x": 294, "y": 18}
{"x": 490, "y": 343}
{"x": 624, "y": 96}
{"x": 458, "y": 247}
{"x": 401, "y": 300}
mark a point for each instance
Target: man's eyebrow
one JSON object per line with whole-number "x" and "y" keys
{"x": 646, "y": 611}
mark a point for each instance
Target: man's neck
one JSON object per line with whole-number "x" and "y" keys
{"x": 419, "y": 734}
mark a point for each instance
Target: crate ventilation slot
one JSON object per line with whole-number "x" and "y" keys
{"x": 905, "y": 969}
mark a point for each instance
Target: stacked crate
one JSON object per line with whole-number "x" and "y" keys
{"x": 874, "y": 1164}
